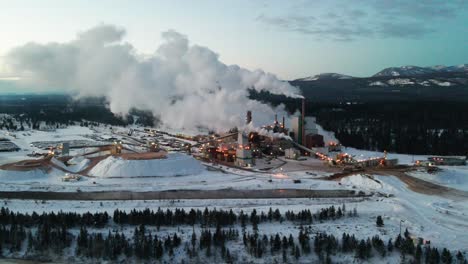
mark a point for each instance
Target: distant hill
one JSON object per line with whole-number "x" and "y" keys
{"x": 415, "y": 70}
{"x": 392, "y": 84}
{"x": 326, "y": 76}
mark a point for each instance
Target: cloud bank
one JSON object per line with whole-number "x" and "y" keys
{"x": 184, "y": 85}
{"x": 344, "y": 20}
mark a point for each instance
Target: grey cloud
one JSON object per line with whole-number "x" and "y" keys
{"x": 418, "y": 9}
{"x": 341, "y": 29}
{"x": 368, "y": 18}
{"x": 403, "y": 30}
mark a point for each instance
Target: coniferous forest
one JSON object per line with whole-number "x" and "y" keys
{"x": 220, "y": 236}
{"x": 412, "y": 126}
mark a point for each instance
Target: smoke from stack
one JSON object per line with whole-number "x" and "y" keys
{"x": 184, "y": 85}
{"x": 264, "y": 132}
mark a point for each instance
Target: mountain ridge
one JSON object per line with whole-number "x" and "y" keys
{"x": 401, "y": 71}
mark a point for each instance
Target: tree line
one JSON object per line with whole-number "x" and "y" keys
{"x": 221, "y": 217}
{"x": 414, "y": 128}
{"x": 49, "y": 234}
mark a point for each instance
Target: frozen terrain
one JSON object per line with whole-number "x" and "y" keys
{"x": 175, "y": 164}
{"x": 450, "y": 176}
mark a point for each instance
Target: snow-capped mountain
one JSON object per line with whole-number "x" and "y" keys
{"x": 396, "y": 83}
{"x": 416, "y": 70}
{"x": 457, "y": 68}
{"x": 326, "y": 76}
{"x": 403, "y": 71}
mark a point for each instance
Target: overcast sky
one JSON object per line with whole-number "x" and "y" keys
{"x": 292, "y": 39}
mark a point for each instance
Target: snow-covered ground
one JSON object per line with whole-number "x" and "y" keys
{"x": 433, "y": 218}
{"x": 176, "y": 164}
{"x": 450, "y": 176}
{"x": 38, "y": 180}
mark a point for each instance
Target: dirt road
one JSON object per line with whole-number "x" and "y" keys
{"x": 182, "y": 194}
{"x": 425, "y": 187}
{"x": 414, "y": 184}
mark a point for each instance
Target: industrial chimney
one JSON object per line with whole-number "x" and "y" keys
{"x": 248, "y": 118}
{"x": 303, "y": 121}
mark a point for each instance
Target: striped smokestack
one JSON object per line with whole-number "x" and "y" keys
{"x": 303, "y": 121}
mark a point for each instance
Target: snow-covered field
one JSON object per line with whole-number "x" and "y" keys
{"x": 38, "y": 180}
{"x": 450, "y": 176}
{"x": 433, "y": 218}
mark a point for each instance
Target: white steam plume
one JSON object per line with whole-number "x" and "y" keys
{"x": 264, "y": 132}
{"x": 185, "y": 86}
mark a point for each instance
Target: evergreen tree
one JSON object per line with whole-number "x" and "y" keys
{"x": 379, "y": 221}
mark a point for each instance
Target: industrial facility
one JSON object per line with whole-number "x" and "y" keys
{"x": 276, "y": 140}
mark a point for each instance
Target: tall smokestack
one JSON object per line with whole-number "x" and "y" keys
{"x": 248, "y": 118}
{"x": 303, "y": 121}
{"x": 276, "y": 119}
{"x": 283, "y": 124}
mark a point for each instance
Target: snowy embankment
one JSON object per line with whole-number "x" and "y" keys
{"x": 362, "y": 182}
{"x": 77, "y": 164}
{"x": 450, "y": 176}
{"x": 175, "y": 164}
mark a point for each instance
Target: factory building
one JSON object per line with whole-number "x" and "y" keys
{"x": 314, "y": 141}
{"x": 65, "y": 147}
{"x": 243, "y": 151}
{"x": 296, "y": 129}
{"x": 277, "y": 127}
{"x": 449, "y": 161}
{"x": 312, "y": 137}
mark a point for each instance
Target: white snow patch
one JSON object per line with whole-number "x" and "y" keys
{"x": 175, "y": 164}
{"x": 400, "y": 81}
{"x": 424, "y": 83}
{"x": 439, "y": 83}
{"x": 377, "y": 83}
{"x": 362, "y": 182}
{"x": 310, "y": 78}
